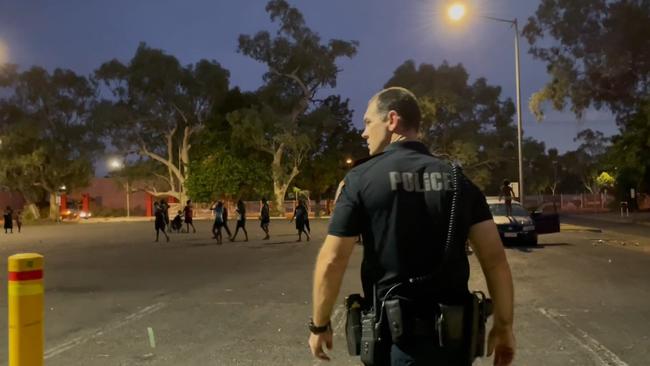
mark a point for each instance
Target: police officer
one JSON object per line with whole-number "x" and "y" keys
{"x": 399, "y": 200}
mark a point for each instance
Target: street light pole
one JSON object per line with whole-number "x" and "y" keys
{"x": 128, "y": 199}
{"x": 520, "y": 131}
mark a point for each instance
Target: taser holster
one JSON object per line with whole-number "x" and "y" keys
{"x": 353, "y": 307}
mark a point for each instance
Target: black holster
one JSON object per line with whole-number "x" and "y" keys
{"x": 461, "y": 328}
{"x": 353, "y": 307}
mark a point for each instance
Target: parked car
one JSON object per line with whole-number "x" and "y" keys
{"x": 74, "y": 212}
{"x": 521, "y": 227}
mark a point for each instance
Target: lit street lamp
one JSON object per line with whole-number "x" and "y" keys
{"x": 456, "y": 12}
{"x": 117, "y": 164}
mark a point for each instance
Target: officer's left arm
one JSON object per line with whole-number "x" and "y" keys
{"x": 331, "y": 263}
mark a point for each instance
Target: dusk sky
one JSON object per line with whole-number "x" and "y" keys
{"x": 80, "y": 35}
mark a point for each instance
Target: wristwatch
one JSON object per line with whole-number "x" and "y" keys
{"x": 319, "y": 329}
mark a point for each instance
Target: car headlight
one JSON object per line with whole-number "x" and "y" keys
{"x": 529, "y": 228}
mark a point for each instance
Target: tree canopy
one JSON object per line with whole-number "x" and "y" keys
{"x": 596, "y": 52}
{"x": 298, "y": 65}
{"x": 155, "y": 108}
{"x": 49, "y": 139}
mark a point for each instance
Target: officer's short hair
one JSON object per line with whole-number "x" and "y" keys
{"x": 402, "y": 101}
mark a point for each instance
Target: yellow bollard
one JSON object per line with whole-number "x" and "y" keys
{"x": 25, "y": 309}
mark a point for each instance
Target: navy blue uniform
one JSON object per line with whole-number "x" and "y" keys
{"x": 399, "y": 201}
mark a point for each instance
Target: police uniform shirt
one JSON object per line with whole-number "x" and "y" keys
{"x": 400, "y": 201}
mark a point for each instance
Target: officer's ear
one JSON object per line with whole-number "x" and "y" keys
{"x": 393, "y": 121}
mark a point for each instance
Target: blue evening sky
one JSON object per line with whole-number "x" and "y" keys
{"x": 81, "y": 34}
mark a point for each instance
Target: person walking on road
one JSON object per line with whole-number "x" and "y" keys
{"x": 241, "y": 220}
{"x": 188, "y": 213}
{"x": 265, "y": 218}
{"x": 165, "y": 209}
{"x": 307, "y": 207}
{"x": 506, "y": 193}
{"x": 225, "y": 222}
{"x": 19, "y": 220}
{"x": 300, "y": 216}
{"x": 9, "y": 220}
{"x": 159, "y": 222}
{"x": 219, "y": 221}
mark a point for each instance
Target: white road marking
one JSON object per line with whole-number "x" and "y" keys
{"x": 339, "y": 324}
{"x": 337, "y": 318}
{"x": 152, "y": 337}
{"x": 57, "y": 350}
{"x": 601, "y": 354}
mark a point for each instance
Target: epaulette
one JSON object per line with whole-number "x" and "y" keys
{"x": 363, "y": 160}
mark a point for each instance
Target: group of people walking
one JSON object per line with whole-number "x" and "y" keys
{"x": 10, "y": 216}
{"x": 163, "y": 225}
{"x": 221, "y": 220}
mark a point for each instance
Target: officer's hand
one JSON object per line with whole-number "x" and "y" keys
{"x": 501, "y": 341}
{"x": 316, "y": 342}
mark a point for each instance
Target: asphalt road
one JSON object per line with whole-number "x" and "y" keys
{"x": 114, "y": 297}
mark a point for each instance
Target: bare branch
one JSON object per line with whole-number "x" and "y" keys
{"x": 187, "y": 122}
{"x": 307, "y": 93}
{"x": 185, "y": 157}
{"x": 166, "y": 179}
{"x": 155, "y": 193}
{"x": 158, "y": 158}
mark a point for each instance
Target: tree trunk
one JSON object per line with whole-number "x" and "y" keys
{"x": 54, "y": 207}
{"x": 33, "y": 210}
{"x": 317, "y": 205}
{"x": 281, "y": 180}
{"x": 279, "y": 190}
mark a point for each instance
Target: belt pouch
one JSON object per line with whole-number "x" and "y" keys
{"x": 395, "y": 314}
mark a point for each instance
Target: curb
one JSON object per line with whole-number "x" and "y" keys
{"x": 612, "y": 221}
{"x": 578, "y": 228}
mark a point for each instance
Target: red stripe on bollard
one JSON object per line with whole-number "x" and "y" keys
{"x": 26, "y": 276}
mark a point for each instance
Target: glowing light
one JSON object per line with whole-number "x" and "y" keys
{"x": 456, "y": 11}
{"x": 348, "y": 161}
{"x": 115, "y": 164}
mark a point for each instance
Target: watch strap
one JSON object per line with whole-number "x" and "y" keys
{"x": 319, "y": 329}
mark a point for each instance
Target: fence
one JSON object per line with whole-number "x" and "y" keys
{"x": 570, "y": 203}
{"x": 581, "y": 202}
